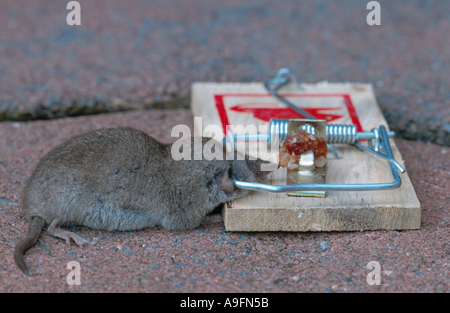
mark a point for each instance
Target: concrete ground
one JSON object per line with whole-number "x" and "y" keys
{"x": 209, "y": 259}
{"x": 139, "y": 53}
{"x": 143, "y": 56}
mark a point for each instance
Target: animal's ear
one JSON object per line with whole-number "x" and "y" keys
{"x": 226, "y": 182}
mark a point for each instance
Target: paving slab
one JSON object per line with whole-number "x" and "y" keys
{"x": 129, "y": 54}
{"x": 209, "y": 259}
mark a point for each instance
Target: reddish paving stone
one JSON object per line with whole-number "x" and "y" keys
{"x": 209, "y": 259}
{"x": 143, "y": 51}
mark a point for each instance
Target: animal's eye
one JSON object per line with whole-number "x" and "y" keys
{"x": 219, "y": 173}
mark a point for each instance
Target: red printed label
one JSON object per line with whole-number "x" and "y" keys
{"x": 334, "y": 108}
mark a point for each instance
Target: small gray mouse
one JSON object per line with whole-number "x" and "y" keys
{"x": 121, "y": 179}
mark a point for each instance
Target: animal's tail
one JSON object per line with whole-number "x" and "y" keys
{"x": 34, "y": 231}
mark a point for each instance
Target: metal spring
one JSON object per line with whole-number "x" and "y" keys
{"x": 279, "y": 128}
{"x": 341, "y": 133}
{"x": 346, "y": 134}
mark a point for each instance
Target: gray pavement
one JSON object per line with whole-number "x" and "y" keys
{"x": 210, "y": 259}
{"x": 142, "y": 53}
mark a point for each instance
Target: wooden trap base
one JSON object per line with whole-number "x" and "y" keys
{"x": 249, "y": 103}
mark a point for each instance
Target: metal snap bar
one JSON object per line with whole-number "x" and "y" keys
{"x": 333, "y": 187}
{"x": 337, "y": 134}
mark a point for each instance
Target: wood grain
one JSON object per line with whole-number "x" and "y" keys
{"x": 338, "y": 211}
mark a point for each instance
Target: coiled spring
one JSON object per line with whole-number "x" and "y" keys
{"x": 345, "y": 134}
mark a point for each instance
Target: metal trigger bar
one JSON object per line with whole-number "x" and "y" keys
{"x": 378, "y": 139}
{"x": 285, "y": 76}
{"x": 335, "y": 187}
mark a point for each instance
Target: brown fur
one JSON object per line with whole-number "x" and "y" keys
{"x": 122, "y": 179}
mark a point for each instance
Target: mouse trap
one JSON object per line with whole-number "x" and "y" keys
{"x": 363, "y": 185}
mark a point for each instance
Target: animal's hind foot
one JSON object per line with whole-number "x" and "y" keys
{"x": 54, "y": 230}
{"x": 68, "y": 235}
